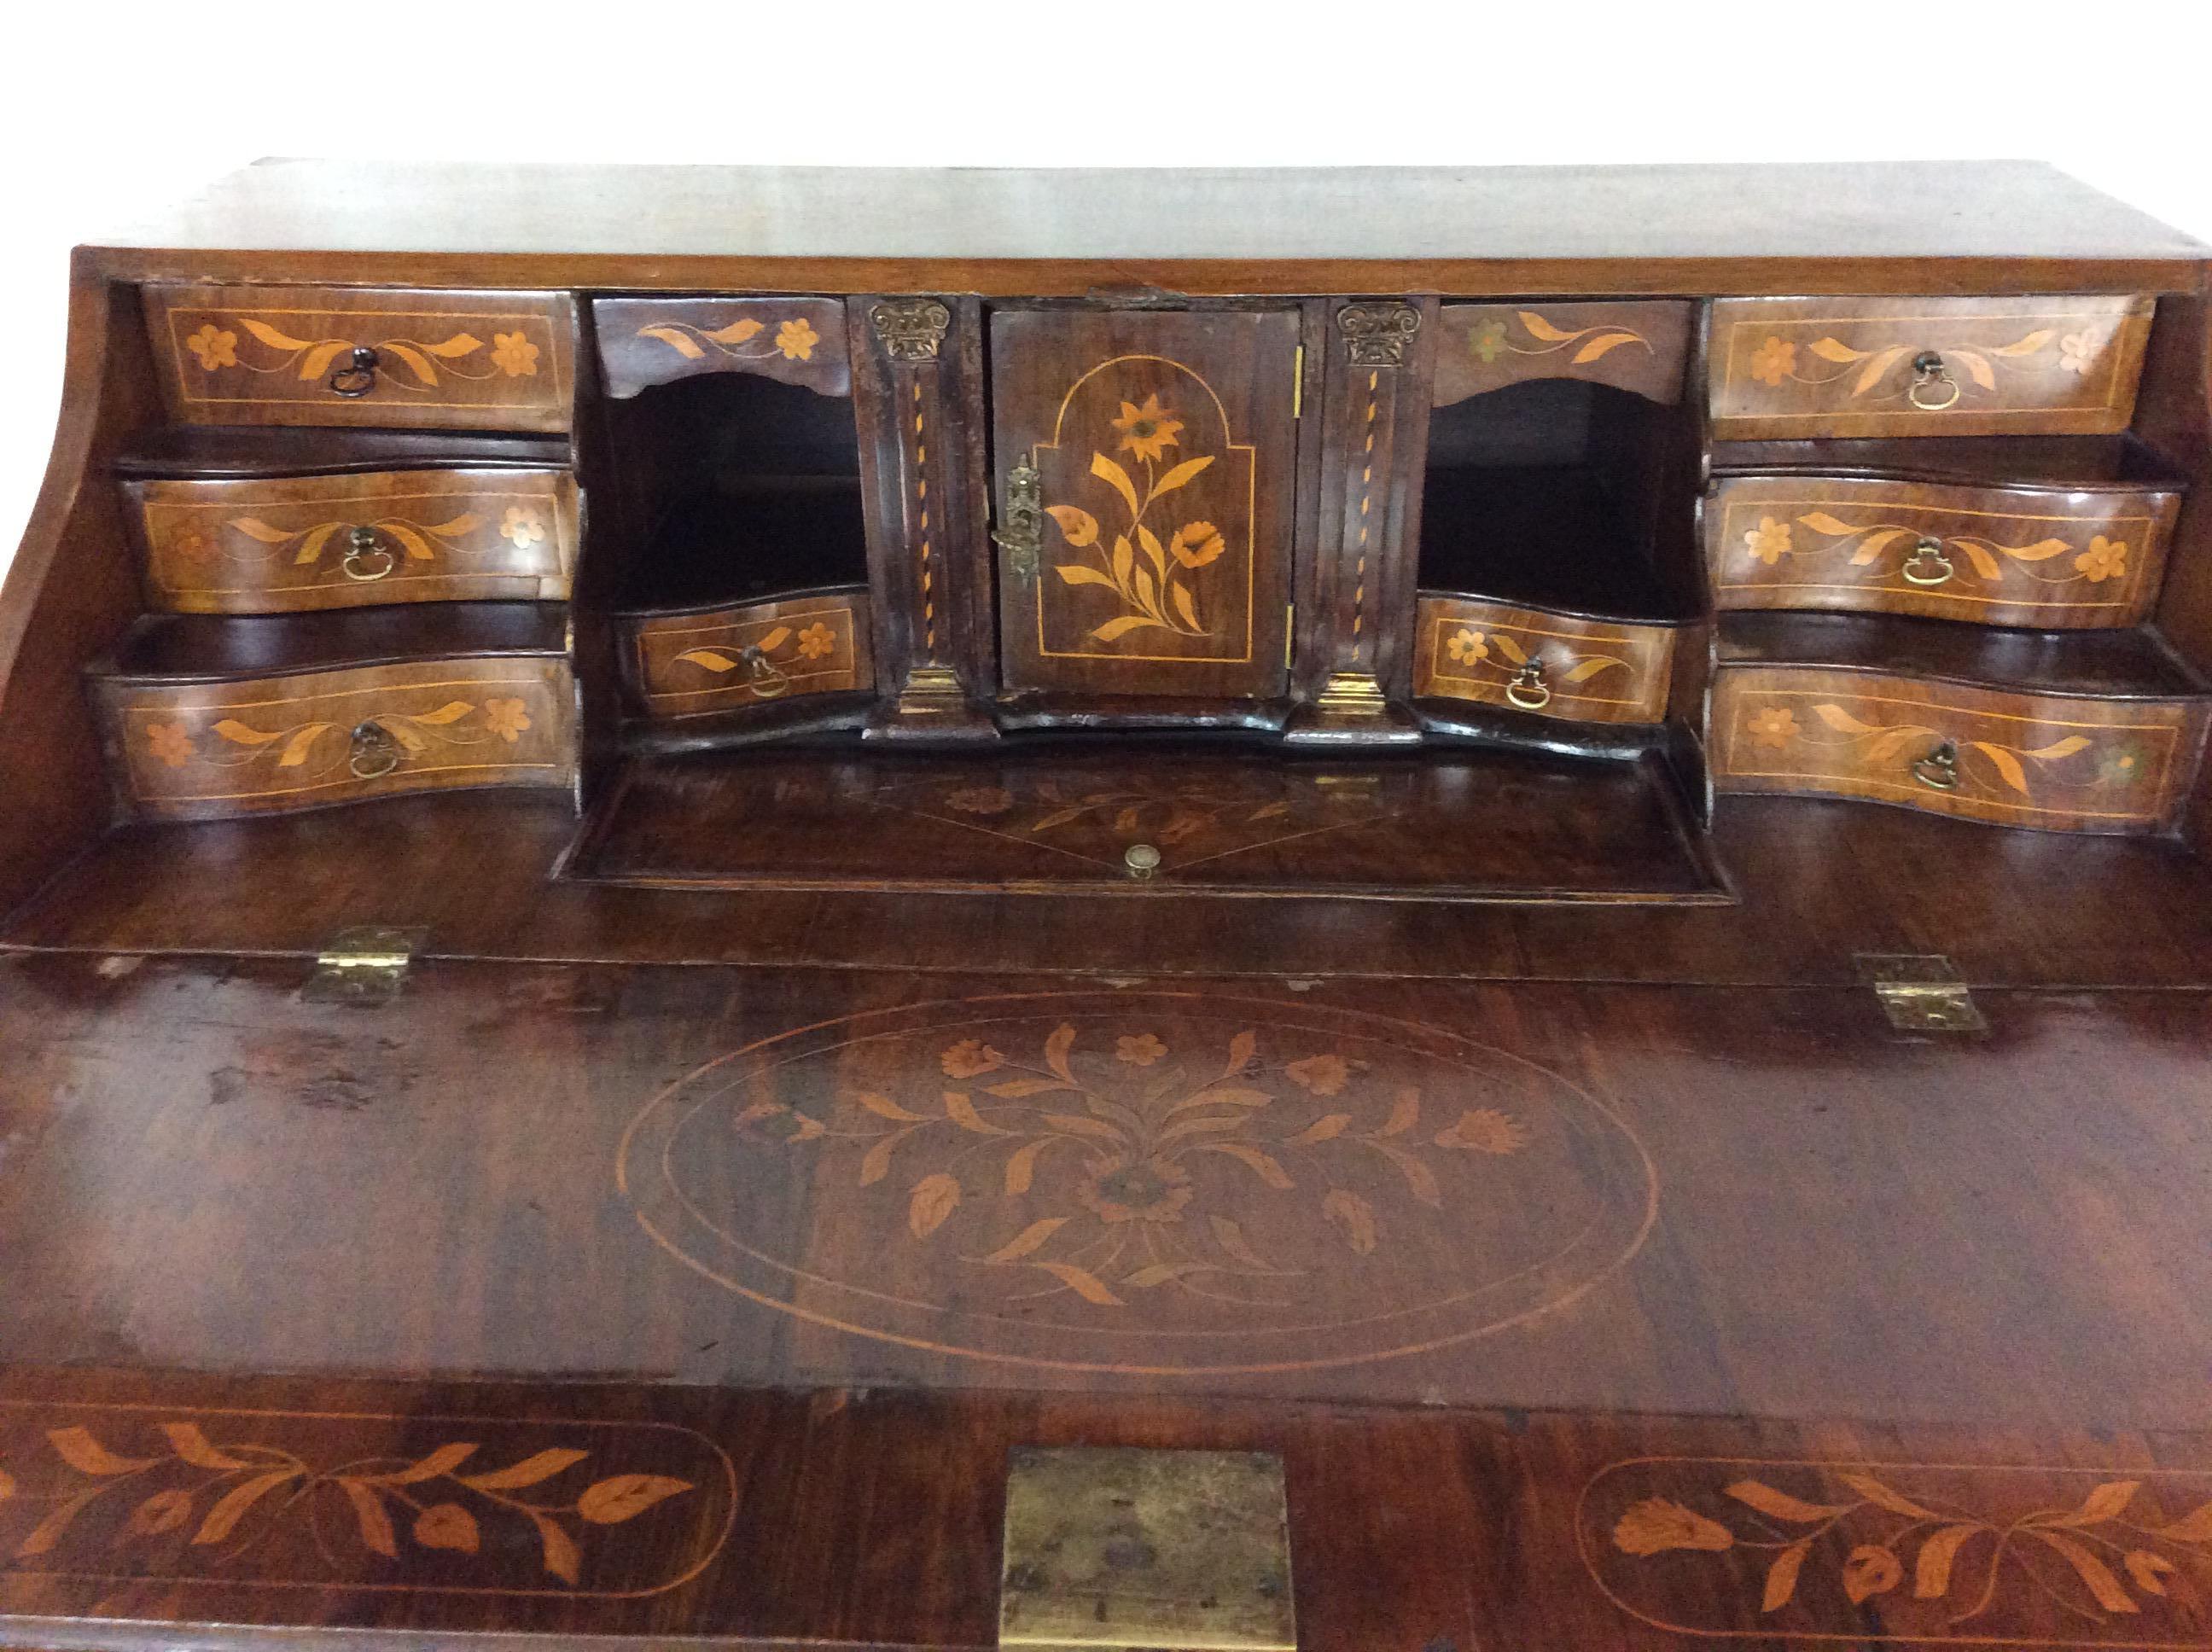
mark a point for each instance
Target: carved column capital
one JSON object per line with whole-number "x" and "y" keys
{"x": 1376, "y": 334}
{"x": 911, "y": 329}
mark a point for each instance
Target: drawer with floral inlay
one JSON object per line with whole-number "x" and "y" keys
{"x": 2009, "y": 756}
{"x": 235, "y": 353}
{"x": 208, "y": 717}
{"x": 1535, "y": 661}
{"x": 2052, "y": 558}
{"x": 744, "y": 656}
{"x": 1936, "y": 367}
{"x": 270, "y": 545}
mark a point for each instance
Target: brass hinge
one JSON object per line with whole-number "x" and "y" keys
{"x": 1921, "y": 991}
{"x": 1298, "y": 383}
{"x": 362, "y": 965}
{"x": 1108, "y": 1550}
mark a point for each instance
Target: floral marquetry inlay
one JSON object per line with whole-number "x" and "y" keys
{"x": 1146, "y": 1182}
{"x": 1931, "y": 1553}
{"x": 472, "y": 1505}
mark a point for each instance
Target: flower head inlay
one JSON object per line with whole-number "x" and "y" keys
{"x": 797, "y": 339}
{"x": 216, "y": 347}
{"x": 513, "y": 354}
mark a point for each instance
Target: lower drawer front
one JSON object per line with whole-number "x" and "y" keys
{"x": 203, "y": 750}
{"x": 273, "y": 544}
{"x": 754, "y": 654}
{"x": 2014, "y": 759}
{"x": 1550, "y": 664}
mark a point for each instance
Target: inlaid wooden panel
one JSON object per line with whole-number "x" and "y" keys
{"x": 2012, "y": 757}
{"x": 255, "y": 355}
{"x": 645, "y": 342}
{"x": 1640, "y": 345}
{"x": 1935, "y": 366}
{"x": 276, "y": 544}
{"x": 2046, "y": 557}
{"x": 751, "y": 654}
{"x": 196, "y": 750}
{"x": 1164, "y": 446}
{"x": 1552, "y": 664}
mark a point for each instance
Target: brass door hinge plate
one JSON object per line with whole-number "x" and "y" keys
{"x": 362, "y": 965}
{"x": 1921, "y": 991}
{"x": 1110, "y": 1549}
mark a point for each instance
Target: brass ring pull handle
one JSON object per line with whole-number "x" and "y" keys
{"x": 375, "y": 753}
{"x": 1938, "y": 768}
{"x": 1928, "y": 565}
{"x": 1020, "y": 533}
{"x": 358, "y": 376}
{"x": 764, "y": 676}
{"x": 1528, "y": 689}
{"x": 367, "y": 558}
{"x": 1932, "y": 389}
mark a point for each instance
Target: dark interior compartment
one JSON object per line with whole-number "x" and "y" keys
{"x": 1563, "y": 495}
{"x": 738, "y": 488}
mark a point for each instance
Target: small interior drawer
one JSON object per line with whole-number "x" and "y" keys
{"x": 2007, "y": 756}
{"x": 748, "y": 655}
{"x": 270, "y": 544}
{"x": 235, "y": 354}
{"x": 1936, "y": 367}
{"x": 1547, "y": 664}
{"x": 2052, "y": 558}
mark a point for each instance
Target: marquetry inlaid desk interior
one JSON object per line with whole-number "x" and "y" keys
{"x": 689, "y": 852}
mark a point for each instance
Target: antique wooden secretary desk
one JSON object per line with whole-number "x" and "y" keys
{"x": 1429, "y": 912}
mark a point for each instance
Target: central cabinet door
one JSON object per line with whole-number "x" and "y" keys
{"x": 1165, "y": 444}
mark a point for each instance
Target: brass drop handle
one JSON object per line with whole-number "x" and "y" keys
{"x": 1020, "y": 533}
{"x": 367, "y": 558}
{"x": 1938, "y": 768}
{"x": 1528, "y": 689}
{"x": 764, "y": 676}
{"x": 375, "y": 753}
{"x": 358, "y": 376}
{"x": 1932, "y": 389}
{"x": 1928, "y": 565}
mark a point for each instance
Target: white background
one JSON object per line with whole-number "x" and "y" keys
{"x": 112, "y": 111}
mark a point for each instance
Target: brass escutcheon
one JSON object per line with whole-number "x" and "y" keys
{"x": 1931, "y": 376}
{"x": 358, "y": 376}
{"x": 1020, "y": 533}
{"x": 1938, "y": 768}
{"x": 375, "y": 753}
{"x": 1933, "y": 567}
{"x": 367, "y": 558}
{"x": 1528, "y": 689}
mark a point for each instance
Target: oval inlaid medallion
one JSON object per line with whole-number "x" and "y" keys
{"x": 1158, "y": 1182}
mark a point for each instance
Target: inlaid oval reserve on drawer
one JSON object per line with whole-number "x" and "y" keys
{"x": 1587, "y": 670}
{"x": 250, "y": 355}
{"x": 2046, "y": 557}
{"x": 271, "y": 545}
{"x": 1937, "y": 367}
{"x": 763, "y": 653}
{"x": 2010, "y": 757}
{"x": 202, "y": 749}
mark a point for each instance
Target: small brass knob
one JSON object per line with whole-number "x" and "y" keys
{"x": 1528, "y": 689}
{"x": 1928, "y": 565}
{"x": 1938, "y": 768}
{"x": 375, "y": 753}
{"x": 1141, "y": 858}
{"x": 1932, "y": 389}
{"x": 358, "y": 376}
{"x": 367, "y": 558}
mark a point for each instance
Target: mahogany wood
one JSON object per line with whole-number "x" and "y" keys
{"x": 1544, "y": 663}
{"x": 719, "y": 659}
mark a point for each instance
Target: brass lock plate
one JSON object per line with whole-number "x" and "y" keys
{"x": 1118, "y": 1548}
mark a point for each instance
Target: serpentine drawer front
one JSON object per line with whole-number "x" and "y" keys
{"x": 2046, "y": 557}
{"x": 1587, "y": 670}
{"x": 1925, "y": 366}
{"x": 748, "y": 654}
{"x": 2012, "y": 758}
{"x": 377, "y": 356}
{"x": 275, "y": 544}
{"x": 203, "y": 750}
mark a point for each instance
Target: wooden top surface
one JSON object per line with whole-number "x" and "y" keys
{"x": 1147, "y": 219}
